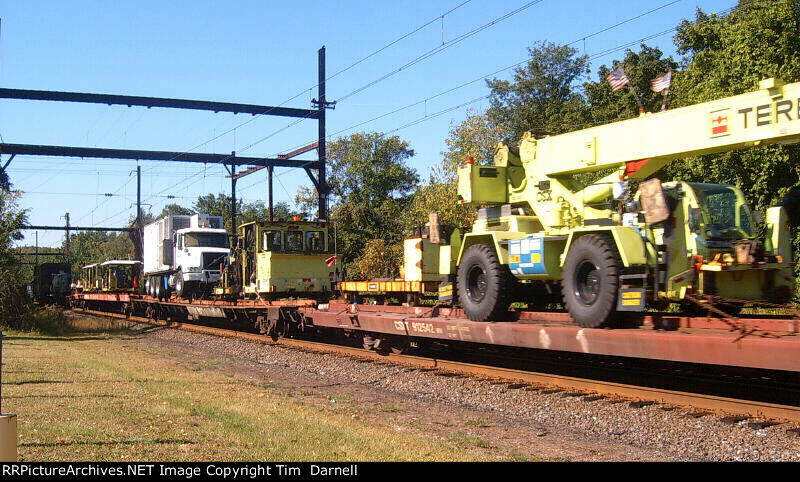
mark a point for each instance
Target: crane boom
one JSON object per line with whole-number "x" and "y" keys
{"x": 768, "y": 115}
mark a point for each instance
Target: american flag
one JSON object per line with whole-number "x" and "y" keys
{"x": 617, "y": 79}
{"x": 660, "y": 83}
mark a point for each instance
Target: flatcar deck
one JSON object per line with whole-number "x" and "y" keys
{"x": 768, "y": 343}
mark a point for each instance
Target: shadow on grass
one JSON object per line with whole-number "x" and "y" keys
{"x": 8, "y": 397}
{"x": 75, "y": 337}
{"x": 110, "y": 442}
{"x": 35, "y": 382}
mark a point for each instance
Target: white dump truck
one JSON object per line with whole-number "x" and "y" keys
{"x": 184, "y": 254}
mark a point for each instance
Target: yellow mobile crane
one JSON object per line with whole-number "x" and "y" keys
{"x": 542, "y": 234}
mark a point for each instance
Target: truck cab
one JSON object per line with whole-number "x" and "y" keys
{"x": 184, "y": 254}
{"x": 201, "y": 253}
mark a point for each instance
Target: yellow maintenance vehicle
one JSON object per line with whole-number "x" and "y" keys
{"x": 541, "y": 235}
{"x": 277, "y": 259}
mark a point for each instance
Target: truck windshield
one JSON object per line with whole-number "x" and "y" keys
{"x": 207, "y": 240}
{"x": 728, "y": 216}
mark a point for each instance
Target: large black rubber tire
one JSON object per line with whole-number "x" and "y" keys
{"x": 591, "y": 281}
{"x": 485, "y": 286}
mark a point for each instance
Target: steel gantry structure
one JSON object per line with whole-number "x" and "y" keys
{"x": 230, "y": 161}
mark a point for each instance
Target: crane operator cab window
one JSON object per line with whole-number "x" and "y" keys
{"x": 727, "y": 216}
{"x": 294, "y": 240}
{"x": 315, "y": 241}
{"x": 271, "y": 241}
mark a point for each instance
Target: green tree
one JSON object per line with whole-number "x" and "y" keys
{"x": 90, "y": 247}
{"x": 370, "y": 186}
{"x": 380, "y": 259}
{"x": 13, "y": 298}
{"x": 640, "y": 68}
{"x": 543, "y": 98}
{"x": 173, "y": 208}
{"x": 728, "y": 55}
{"x": 218, "y": 205}
{"x": 307, "y": 200}
{"x": 5, "y": 183}
{"x": 475, "y": 136}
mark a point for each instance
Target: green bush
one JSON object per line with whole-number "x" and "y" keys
{"x": 48, "y": 320}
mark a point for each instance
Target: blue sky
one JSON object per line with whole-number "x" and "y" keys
{"x": 263, "y": 52}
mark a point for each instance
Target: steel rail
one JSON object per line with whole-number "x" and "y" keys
{"x": 672, "y": 397}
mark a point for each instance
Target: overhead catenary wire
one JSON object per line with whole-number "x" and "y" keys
{"x": 439, "y": 49}
{"x": 428, "y": 54}
{"x": 517, "y": 64}
{"x": 127, "y": 181}
{"x": 403, "y": 37}
{"x": 473, "y": 101}
{"x": 267, "y": 111}
{"x": 417, "y": 103}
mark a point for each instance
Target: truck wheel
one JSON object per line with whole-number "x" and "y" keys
{"x": 159, "y": 287}
{"x": 484, "y": 284}
{"x": 180, "y": 286}
{"x": 591, "y": 280}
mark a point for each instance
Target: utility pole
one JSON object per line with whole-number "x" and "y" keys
{"x": 269, "y": 191}
{"x": 323, "y": 183}
{"x": 66, "y": 250}
{"x": 233, "y": 194}
{"x": 139, "y": 202}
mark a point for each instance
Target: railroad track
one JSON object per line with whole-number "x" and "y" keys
{"x": 514, "y": 377}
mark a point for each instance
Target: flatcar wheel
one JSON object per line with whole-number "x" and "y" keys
{"x": 392, "y": 345}
{"x": 368, "y": 342}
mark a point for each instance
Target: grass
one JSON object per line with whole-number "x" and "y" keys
{"x": 467, "y": 440}
{"x": 102, "y": 396}
{"x": 480, "y": 423}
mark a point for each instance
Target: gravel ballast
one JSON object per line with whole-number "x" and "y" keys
{"x": 522, "y": 416}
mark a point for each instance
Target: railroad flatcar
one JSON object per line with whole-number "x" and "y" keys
{"x": 427, "y": 258}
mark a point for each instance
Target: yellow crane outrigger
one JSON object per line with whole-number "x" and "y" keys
{"x": 541, "y": 234}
